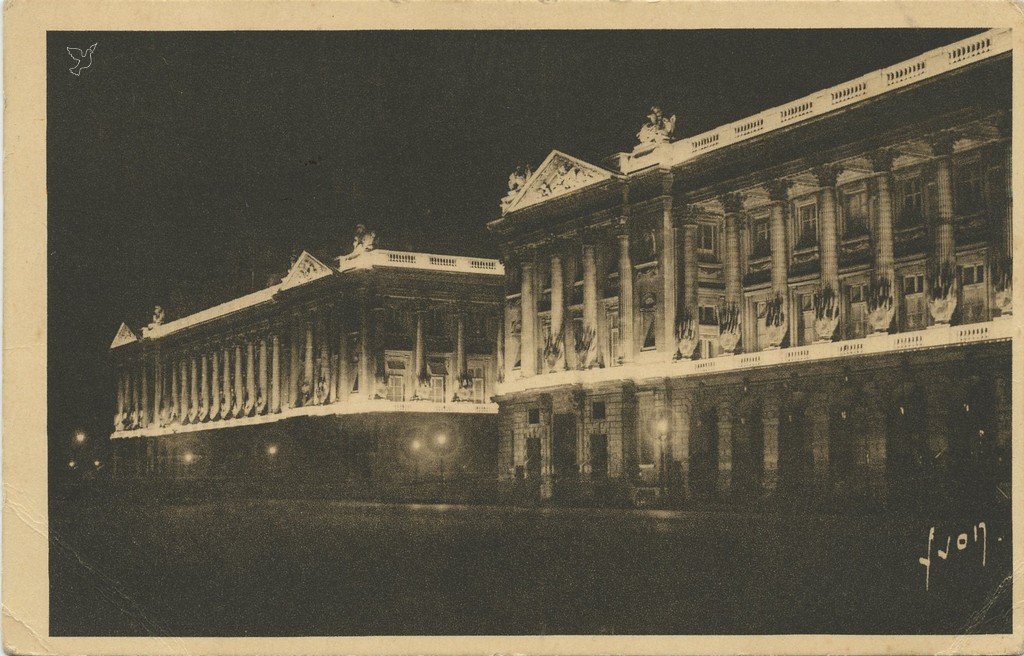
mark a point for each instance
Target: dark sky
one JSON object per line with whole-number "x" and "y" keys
{"x": 184, "y": 167}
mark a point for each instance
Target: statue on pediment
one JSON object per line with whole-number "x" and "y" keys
{"x": 658, "y": 129}
{"x": 364, "y": 240}
{"x": 516, "y": 181}
{"x": 158, "y": 317}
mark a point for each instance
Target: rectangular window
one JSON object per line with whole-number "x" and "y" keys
{"x": 649, "y": 333}
{"x": 599, "y": 456}
{"x": 597, "y": 410}
{"x": 911, "y": 202}
{"x": 807, "y": 334}
{"x": 479, "y": 387}
{"x": 648, "y": 446}
{"x": 396, "y": 387}
{"x": 437, "y": 389}
{"x": 969, "y": 189}
{"x": 533, "y": 416}
{"x": 914, "y": 302}
{"x": 855, "y": 214}
{"x": 614, "y": 343}
{"x": 858, "y": 319}
{"x": 760, "y": 311}
{"x": 808, "y": 228}
{"x": 707, "y": 238}
{"x": 760, "y": 238}
{"x": 974, "y": 293}
{"x": 708, "y": 315}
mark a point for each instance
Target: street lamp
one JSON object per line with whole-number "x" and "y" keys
{"x": 442, "y": 440}
{"x": 79, "y": 437}
{"x": 272, "y": 450}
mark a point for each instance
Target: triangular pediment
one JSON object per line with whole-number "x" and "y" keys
{"x": 125, "y": 335}
{"x": 306, "y": 269}
{"x": 560, "y": 174}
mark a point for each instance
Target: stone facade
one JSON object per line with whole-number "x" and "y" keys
{"x": 409, "y": 337}
{"x": 730, "y": 314}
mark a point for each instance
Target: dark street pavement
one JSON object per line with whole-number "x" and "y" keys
{"x": 264, "y": 568}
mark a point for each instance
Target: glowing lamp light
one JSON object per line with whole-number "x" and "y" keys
{"x": 416, "y": 444}
{"x": 96, "y": 464}
{"x": 189, "y": 457}
{"x": 272, "y": 450}
{"x": 442, "y": 439}
{"x": 71, "y": 464}
{"x": 79, "y": 437}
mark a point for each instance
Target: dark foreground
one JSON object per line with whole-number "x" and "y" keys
{"x": 266, "y": 568}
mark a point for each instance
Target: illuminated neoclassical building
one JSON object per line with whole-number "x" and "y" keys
{"x": 376, "y": 365}
{"x": 812, "y": 300}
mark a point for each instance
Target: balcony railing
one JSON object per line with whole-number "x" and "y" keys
{"x": 933, "y": 337}
{"x": 930, "y": 64}
{"x": 346, "y": 407}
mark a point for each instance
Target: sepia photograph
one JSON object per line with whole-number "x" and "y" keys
{"x": 529, "y": 332}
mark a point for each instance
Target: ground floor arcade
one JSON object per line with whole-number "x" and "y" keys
{"x": 899, "y": 429}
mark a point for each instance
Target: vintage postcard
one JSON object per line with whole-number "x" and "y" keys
{"x": 476, "y": 328}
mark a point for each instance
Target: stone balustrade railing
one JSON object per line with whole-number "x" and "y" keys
{"x": 930, "y": 64}
{"x": 347, "y": 407}
{"x": 933, "y": 337}
{"x": 406, "y": 260}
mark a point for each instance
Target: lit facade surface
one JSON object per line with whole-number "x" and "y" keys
{"x": 813, "y": 298}
{"x": 375, "y": 333}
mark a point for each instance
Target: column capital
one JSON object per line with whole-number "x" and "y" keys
{"x": 732, "y": 202}
{"x": 778, "y": 189}
{"x": 827, "y": 174}
{"x": 881, "y": 159}
{"x": 942, "y": 142}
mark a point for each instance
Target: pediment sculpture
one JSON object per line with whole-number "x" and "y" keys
{"x": 516, "y": 181}
{"x": 658, "y": 129}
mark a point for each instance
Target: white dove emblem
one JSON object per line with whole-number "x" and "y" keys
{"x": 83, "y": 60}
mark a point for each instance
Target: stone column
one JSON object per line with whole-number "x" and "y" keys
{"x": 175, "y": 408}
{"x": 668, "y": 266}
{"x": 691, "y": 283}
{"x": 261, "y": 404}
{"x": 626, "y": 298}
{"x": 460, "y": 349}
{"x": 885, "y": 262}
{"x": 724, "y": 450}
{"x": 293, "y": 365}
{"x": 239, "y": 406}
{"x": 558, "y": 327}
{"x": 120, "y": 396}
{"x": 158, "y": 389}
{"x": 214, "y": 384}
{"x": 590, "y": 302}
{"x": 419, "y": 349}
{"x": 184, "y": 395}
{"x": 307, "y": 365}
{"x": 365, "y": 373}
{"x": 828, "y": 222}
{"x": 275, "y": 374}
{"x": 732, "y": 207}
{"x": 135, "y": 400}
{"x": 528, "y": 302}
{"x": 770, "y": 428}
{"x": 342, "y": 381}
{"x": 942, "y": 148}
{"x": 778, "y": 192}
{"x": 250, "y": 375}
{"x": 144, "y": 414}
{"x": 204, "y": 387}
{"x": 225, "y": 402}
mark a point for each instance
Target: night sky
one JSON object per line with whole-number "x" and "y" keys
{"x": 184, "y": 168}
